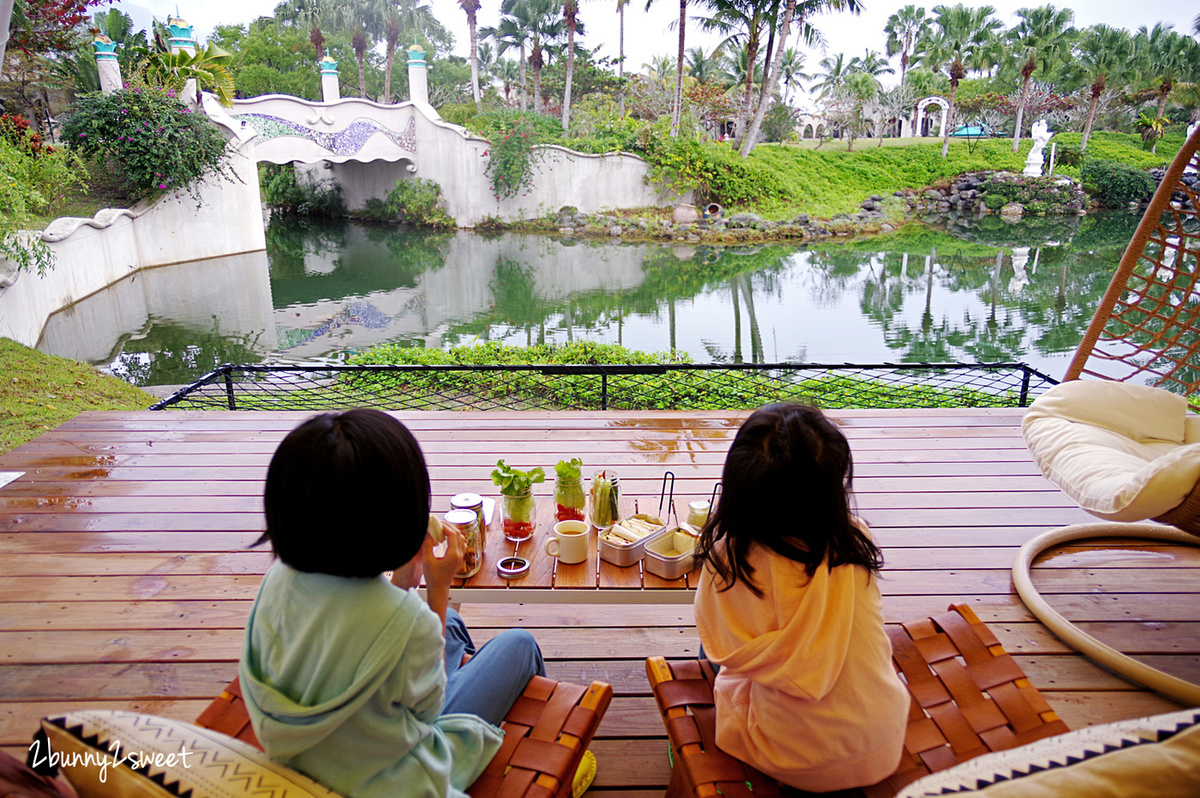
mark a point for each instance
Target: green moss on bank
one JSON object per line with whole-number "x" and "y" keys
{"x": 38, "y": 392}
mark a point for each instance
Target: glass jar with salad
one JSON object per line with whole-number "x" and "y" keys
{"x": 568, "y": 490}
{"x": 516, "y": 499}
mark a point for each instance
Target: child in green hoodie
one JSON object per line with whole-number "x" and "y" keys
{"x": 349, "y": 677}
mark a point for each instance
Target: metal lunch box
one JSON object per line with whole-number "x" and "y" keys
{"x": 664, "y": 557}
{"x": 626, "y": 554}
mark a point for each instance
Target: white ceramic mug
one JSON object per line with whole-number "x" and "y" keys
{"x": 569, "y": 543}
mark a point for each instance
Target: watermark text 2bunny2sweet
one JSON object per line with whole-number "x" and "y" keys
{"x": 102, "y": 759}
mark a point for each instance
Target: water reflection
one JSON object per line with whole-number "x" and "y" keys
{"x": 969, "y": 290}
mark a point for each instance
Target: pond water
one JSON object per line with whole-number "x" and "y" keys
{"x": 977, "y": 290}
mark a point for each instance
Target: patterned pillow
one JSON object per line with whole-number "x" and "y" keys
{"x": 1155, "y": 756}
{"x": 107, "y": 753}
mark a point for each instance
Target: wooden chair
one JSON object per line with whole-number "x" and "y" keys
{"x": 546, "y": 733}
{"x": 969, "y": 697}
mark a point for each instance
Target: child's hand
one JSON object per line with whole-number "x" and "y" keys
{"x": 440, "y": 571}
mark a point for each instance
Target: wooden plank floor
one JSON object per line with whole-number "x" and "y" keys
{"x": 125, "y": 579}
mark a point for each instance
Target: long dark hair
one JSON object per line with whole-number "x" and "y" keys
{"x": 347, "y": 494}
{"x": 786, "y": 485}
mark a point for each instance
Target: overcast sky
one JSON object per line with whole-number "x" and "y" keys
{"x": 649, "y": 33}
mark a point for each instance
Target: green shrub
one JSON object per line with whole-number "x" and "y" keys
{"x": 416, "y": 201}
{"x": 34, "y": 179}
{"x": 995, "y": 201}
{"x": 153, "y": 140}
{"x": 511, "y": 156}
{"x": 457, "y": 113}
{"x": 779, "y": 124}
{"x": 713, "y": 170}
{"x": 1117, "y": 184}
{"x": 1068, "y": 156}
{"x": 681, "y": 390}
{"x": 281, "y": 192}
{"x": 491, "y": 123}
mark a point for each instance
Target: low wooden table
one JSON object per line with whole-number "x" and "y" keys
{"x": 595, "y": 581}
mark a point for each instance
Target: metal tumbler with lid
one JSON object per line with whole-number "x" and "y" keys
{"x": 467, "y": 522}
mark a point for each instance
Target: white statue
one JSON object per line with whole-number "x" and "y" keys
{"x": 1040, "y": 133}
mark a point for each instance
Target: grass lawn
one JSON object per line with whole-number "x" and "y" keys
{"x": 38, "y": 392}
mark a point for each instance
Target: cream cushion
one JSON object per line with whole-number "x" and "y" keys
{"x": 1154, "y": 757}
{"x": 1122, "y": 452}
{"x": 113, "y": 753}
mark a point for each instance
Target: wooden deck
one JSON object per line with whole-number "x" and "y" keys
{"x": 125, "y": 579}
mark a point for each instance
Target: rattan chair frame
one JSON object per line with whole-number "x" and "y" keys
{"x": 1147, "y": 325}
{"x": 545, "y": 735}
{"x": 968, "y": 697}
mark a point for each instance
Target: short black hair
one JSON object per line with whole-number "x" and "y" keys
{"x": 786, "y": 485}
{"x": 347, "y": 494}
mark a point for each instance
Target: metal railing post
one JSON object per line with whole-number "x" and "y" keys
{"x": 229, "y": 389}
{"x": 1024, "y": 387}
{"x": 604, "y": 390}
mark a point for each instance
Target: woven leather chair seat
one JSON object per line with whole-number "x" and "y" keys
{"x": 969, "y": 697}
{"x": 546, "y": 733}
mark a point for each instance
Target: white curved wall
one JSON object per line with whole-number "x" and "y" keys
{"x": 91, "y": 254}
{"x": 365, "y": 147}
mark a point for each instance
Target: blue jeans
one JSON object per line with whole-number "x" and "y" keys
{"x": 496, "y": 675}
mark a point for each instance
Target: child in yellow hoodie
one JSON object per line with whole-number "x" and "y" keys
{"x": 788, "y": 607}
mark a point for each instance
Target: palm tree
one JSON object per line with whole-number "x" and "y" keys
{"x": 471, "y": 8}
{"x": 1164, "y": 55}
{"x": 302, "y": 13}
{"x": 742, "y": 22}
{"x": 832, "y": 75}
{"x": 1103, "y": 52}
{"x": 416, "y": 17}
{"x": 487, "y": 62}
{"x": 392, "y": 36}
{"x": 508, "y": 34}
{"x": 621, "y": 52}
{"x": 738, "y": 70}
{"x": 571, "y": 23}
{"x": 701, "y": 67}
{"x": 871, "y": 63}
{"x": 960, "y": 32}
{"x": 857, "y": 90}
{"x": 208, "y": 67}
{"x": 807, "y": 9}
{"x": 677, "y": 102}
{"x": 904, "y": 30}
{"x": 1044, "y": 33}
{"x": 659, "y": 66}
{"x": 540, "y": 19}
{"x": 360, "y": 44}
{"x": 508, "y": 72}
{"x": 791, "y": 70}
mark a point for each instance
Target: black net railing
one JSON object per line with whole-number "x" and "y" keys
{"x": 610, "y": 387}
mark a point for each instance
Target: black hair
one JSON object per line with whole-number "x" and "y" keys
{"x": 347, "y": 494}
{"x": 786, "y": 485}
